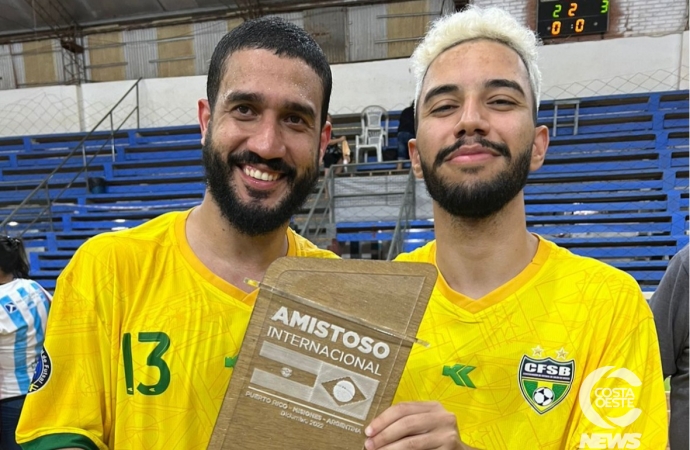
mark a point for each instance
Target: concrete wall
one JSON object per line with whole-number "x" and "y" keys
{"x": 577, "y": 69}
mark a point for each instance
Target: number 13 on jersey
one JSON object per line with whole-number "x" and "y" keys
{"x": 156, "y": 344}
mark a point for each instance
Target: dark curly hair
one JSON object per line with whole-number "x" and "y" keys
{"x": 283, "y": 39}
{"x": 13, "y": 257}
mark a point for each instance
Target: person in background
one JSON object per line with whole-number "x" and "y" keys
{"x": 25, "y": 305}
{"x": 670, "y": 307}
{"x": 337, "y": 151}
{"x": 406, "y": 132}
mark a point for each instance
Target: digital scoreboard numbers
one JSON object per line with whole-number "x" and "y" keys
{"x": 558, "y": 18}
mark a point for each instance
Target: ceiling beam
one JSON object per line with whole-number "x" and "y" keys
{"x": 182, "y": 17}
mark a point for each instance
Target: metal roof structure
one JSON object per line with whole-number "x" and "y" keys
{"x": 34, "y": 19}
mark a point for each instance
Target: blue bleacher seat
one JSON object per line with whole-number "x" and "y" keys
{"x": 617, "y": 190}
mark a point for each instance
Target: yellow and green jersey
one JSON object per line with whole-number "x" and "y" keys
{"x": 141, "y": 344}
{"x": 563, "y": 356}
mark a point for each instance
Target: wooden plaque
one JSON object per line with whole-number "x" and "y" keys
{"x": 323, "y": 354}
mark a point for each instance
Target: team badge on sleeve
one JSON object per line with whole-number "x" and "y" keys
{"x": 42, "y": 372}
{"x": 545, "y": 382}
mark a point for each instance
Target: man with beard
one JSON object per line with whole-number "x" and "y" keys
{"x": 532, "y": 347}
{"x": 147, "y": 323}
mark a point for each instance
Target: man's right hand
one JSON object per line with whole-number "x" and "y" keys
{"x": 414, "y": 425}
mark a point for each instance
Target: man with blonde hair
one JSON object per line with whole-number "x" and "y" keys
{"x": 532, "y": 347}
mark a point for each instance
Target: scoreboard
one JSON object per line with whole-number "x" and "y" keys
{"x": 559, "y": 18}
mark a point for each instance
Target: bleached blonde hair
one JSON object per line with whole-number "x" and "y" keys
{"x": 478, "y": 23}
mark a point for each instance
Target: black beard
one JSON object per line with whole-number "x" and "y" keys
{"x": 479, "y": 200}
{"x": 252, "y": 218}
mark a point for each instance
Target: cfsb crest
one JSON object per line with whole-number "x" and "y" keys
{"x": 545, "y": 382}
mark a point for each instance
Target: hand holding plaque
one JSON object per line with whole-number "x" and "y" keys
{"x": 323, "y": 354}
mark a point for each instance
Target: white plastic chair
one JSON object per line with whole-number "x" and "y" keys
{"x": 374, "y": 135}
{"x": 373, "y": 141}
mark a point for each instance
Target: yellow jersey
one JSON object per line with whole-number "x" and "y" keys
{"x": 141, "y": 344}
{"x": 563, "y": 356}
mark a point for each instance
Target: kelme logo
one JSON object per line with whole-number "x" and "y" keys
{"x": 230, "y": 361}
{"x": 459, "y": 373}
{"x": 545, "y": 382}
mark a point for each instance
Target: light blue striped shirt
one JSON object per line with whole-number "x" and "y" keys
{"x": 23, "y": 315}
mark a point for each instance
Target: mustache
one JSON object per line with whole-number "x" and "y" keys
{"x": 247, "y": 157}
{"x": 502, "y": 149}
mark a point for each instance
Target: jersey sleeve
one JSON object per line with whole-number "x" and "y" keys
{"x": 69, "y": 401}
{"x": 622, "y": 401}
{"x": 670, "y": 306}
